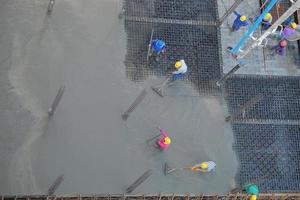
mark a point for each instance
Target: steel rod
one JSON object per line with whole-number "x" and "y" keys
{"x": 56, "y": 101}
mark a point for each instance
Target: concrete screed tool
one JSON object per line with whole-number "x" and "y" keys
{"x": 167, "y": 170}
{"x": 159, "y": 89}
{"x": 149, "y": 46}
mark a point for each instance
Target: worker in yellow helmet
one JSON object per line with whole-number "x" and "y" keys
{"x": 252, "y": 189}
{"x": 288, "y": 31}
{"x": 267, "y": 21}
{"x": 165, "y": 141}
{"x": 240, "y": 20}
{"x": 207, "y": 166}
{"x": 181, "y": 69}
{"x": 253, "y": 197}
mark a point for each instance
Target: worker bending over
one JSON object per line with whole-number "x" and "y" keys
{"x": 280, "y": 48}
{"x": 207, "y": 166}
{"x": 289, "y": 30}
{"x": 181, "y": 69}
{"x": 165, "y": 141}
{"x": 252, "y": 190}
{"x": 240, "y": 20}
{"x": 267, "y": 21}
{"x": 158, "y": 47}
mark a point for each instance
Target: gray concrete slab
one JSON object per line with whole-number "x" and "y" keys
{"x": 82, "y": 46}
{"x": 260, "y": 61}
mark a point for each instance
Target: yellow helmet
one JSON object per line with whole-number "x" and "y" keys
{"x": 253, "y": 197}
{"x": 267, "y": 16}
{"x": 167, "y": 140}
{"x": 178, "y": 64}
{"x": 294, "y": 25}
{"x": 243, "y": 18}
{"x": 204, "y": 165}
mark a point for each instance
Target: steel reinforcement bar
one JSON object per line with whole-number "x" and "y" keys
{"x": 171, "y": 21}
{"x": 236, "y": 196}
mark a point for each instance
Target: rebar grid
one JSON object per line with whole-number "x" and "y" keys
{"x": 195, "y": 42}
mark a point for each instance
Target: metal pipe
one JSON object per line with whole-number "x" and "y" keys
{"x": 252, "y": 28}
{"x": 272, "y": 29}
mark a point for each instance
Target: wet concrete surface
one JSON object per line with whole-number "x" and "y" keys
{"x": 82, "y": 45}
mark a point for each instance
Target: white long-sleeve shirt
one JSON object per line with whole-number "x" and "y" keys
{"x": 182, "y": 69}
{"x": 211, "y": 166}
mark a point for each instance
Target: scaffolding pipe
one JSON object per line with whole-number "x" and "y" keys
{"x": 229, "y": 11}
{"x": 295, "y": 6}
{"x": 252, "y": 28}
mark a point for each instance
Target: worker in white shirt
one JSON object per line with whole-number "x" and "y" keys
{"x": 207, "y": 166}
{"x": 181, "y": 70}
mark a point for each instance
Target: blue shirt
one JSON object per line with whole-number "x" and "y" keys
{"x": 237, "y": 21}
{"x": 158, "y": 45}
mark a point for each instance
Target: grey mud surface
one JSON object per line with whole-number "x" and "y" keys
{"x": 82, "y": 45}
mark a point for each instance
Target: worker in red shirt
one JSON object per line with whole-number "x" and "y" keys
{"x": 165, "y": 141}
{"x": 280, "y": 48}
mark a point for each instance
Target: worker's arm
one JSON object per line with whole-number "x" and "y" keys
{"x": 163, "y": 133}
{"x": 271, "y": 19}
{"x": 176, "y": 72}
{"x": 236, "y": 13}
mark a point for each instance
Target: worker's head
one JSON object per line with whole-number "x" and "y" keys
{"x": 253, "y": 197}
{"x": 283, "y": 43}
{"x": 178, "y": 64}
{"x": 167, "y": 140}
{"x": 243, "y": 18}
{"x": 294, "y": 25}
{"x": 204, "y": 165}
{"x": 267, "y": 16}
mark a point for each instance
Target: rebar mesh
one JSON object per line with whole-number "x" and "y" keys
{"x": 198, "y": 45}
{"x": 280, "y": 96}
{"x": 269, "y": 154}
{"x": 205, "y": 10}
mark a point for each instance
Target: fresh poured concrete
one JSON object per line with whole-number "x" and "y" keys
{"x": 82, "y": 45}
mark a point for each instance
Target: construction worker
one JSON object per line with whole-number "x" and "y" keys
{"x": 252, "y": 190}
{"x": 165, "y": 141}
{"x": 267, "y": 20}
{"x": 207, "y": 166}
{"x": 280, "y": 48}
{"x": 181, "y": 69}
{"x": 158, "y": 47}
{"x": 240, "y": 20}
{"x": 289, "y": 30}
